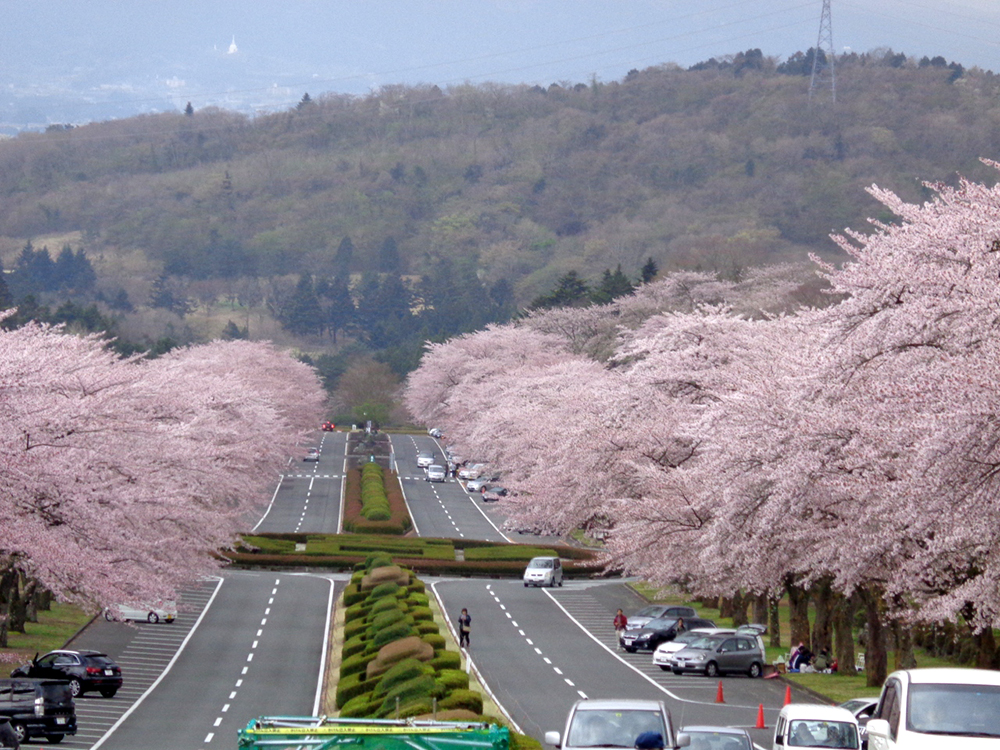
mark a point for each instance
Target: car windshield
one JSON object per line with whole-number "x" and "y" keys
{"x": 705, "y": 643}
{"x": 966, "y": 710}
{"x": 540, "y": 563}
{"x": 612, "y": 728}
{"x": 649, "y": 612}
{"x": 717, "y": 741}
{"x": 688, "y": 637}
{"x": 807, "y": 733}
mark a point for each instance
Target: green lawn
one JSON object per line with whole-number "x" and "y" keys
{"x": 53, "y": 629}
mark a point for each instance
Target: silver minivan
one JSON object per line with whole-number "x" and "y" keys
{"x": 544, "y": 571}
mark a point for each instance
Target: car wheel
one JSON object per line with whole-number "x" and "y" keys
{"x": 664, "y": 668}
{"x": 526, "y": 585}
{"x": 560, "y": 582}
{"x": 630, "y": 649}
{"x": 677, "y": 672}
{"x": 108, "y": 617}
{"x": 75, "y": 688}
{"x": 152, "y": 618}
{"x": 20, "y": 731}
{"x": 55, "y": 739}
{"x": 711, "y": 669}
{"x": 754, "y": 670}
{"x": 109, "y": 692}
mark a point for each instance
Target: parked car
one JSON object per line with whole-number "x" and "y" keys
{"x": 165, "y": 613}
{"x": 815, "y": 725}
{"x": 425, "y": 459}
{"x": 644, "y": 615}
{"x": 720, "y": 654}
{"x": 657, "y": 631}
{"x": 37, "y": 708}
{"x": 615, "y": 723}
{"x": 434, "y": 432}
{"x": 85, "y": 670}
{"x": 480, "y": 483}
{"x": 954, "y": 709}
{"x": 862, "y": 708}
{"x": 464, "y": 472}
{"x": 663, "y": 656}
{"x": 493, "y": 494}
{"x": 312, "y": 454}
{"x": 457, "y": 458}
{"x": 544, "y": 571}
{"x": 436, "y": 473}
{"x": 718, "y": 738}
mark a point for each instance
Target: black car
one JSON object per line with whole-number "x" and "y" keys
{"x": 85, "y": 671}
{"x": 658, "y": 631}
{"x": 37, "y": 708}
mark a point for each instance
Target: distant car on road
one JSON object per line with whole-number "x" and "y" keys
{"x": 85, "y": 670}
{"x": 657, "y": 631}
{"x": 721, "y": 654}
{"x": 721, "y": 738}
{"x": 328, "y": 427}
{"x": 312, "y": 454}
{"x": 435, "y": 473}
{"x": 543, "y": 571}
{"x": 165, "y": 613}
{"x": 434, "y": 432}
{"x": 425, "y": 459}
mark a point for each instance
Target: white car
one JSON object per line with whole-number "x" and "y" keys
{"x": 479, "y": 483}
{"x": 543, "y": 571}
{"x": 425, "y": 459}
{"x": 812, "y": 725}
{"x": 434, "y": 432}
{"x": 663, "y": 656}
{"x": 166, "y": 612}
{"x": 954, "y": 709}
{"x": 471, "y": 471}
{"x": 312, "y": 454}
{"x": 435, "y": 473}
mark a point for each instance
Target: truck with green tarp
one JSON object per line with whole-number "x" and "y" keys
{"x": 323, "y": 733}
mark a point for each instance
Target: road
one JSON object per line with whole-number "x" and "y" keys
{"x": 540, "y": 650}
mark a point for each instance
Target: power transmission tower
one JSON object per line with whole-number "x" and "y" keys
{"x": 824, "y": 72}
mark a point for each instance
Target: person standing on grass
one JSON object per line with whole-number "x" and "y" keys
{"x": 464, "y": 626}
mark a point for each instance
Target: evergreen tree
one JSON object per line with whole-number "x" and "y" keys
{"x": 388, "y": 257}
{"x": 304, "y": 316}
{"x": 649, "y": 271}
{"x": 33, "y": 273}
{"x": 233, "y": 332}
{"x": 570, "y": 291}
{"x": 189, "y": 110}
{"x": 340, "y": 312}
{"x": 6, "y": 298}
{"x": 343, "y": 258}
{"x": 611, "y": 287}
{"x": 161, "y": 295}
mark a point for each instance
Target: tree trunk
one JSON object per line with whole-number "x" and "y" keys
{"x": 31, "y": 589}
{"x": 843, "y": 626}
{"x": 903, "y": 657}
{"x": 740, "y": 604}
{"x": 876, "y": 659}
{"x": 17, "y": 610}
{"x": 760, "y": 609}
{"x": 725, "y": 607}
{"x": 774, "y": 621}
{"x": 798, "y": 603}
{"x": 7, "y": 579}
{"x": 43, "y": 599}
{"x": 822, "y": 632}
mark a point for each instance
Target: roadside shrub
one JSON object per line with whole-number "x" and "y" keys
{"x": 386, "y": 618}
{"x": 353, "y": 596}
{"x": 423, "y": 686}
{"x": 414, "y": 707}
{"x": 353, "y": 664}
{"x": 352, "y": 686}
{"x": 446, "y": 660}
{"x": 398, "y": 650}
{"x": 467, "y": 699}
{"x": 435, "y": 639}
{"x": 386, "y": 604}
{"x": 355, "y": 645}
{"x": 389, "y": 588}
{"x": 453, "y": 679}
{"x": 422, "y": 613}
{"x": 360, "y": 706}
{"x": 407, "y": 669}
{"x": 353, "y": 628}
{"x": 425, "y": 626}
{"x": 417, "y": 599}
{"x": 392, "y": 633}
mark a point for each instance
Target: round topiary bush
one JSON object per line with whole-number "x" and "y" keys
{"x": 467, "y": 699}
{"x": 435, "y": 639}
{"x": 389, "y": 588}
{"x": 426, "y": 626}
{"x": 453, "y": 679}
{"x": 357, "y": 663}
{"x": 423, "y": 686}
{"x": 386, "y": 603}
{"x": 360, "y": 706}
{"x": 352, "y": 646}
{"x": 447, "y": 660}
{"x": 422, "y": 613}
{"x": 392, "y": 633}
{"x": 386, "y": 618}
{"x": 400, "y": 672}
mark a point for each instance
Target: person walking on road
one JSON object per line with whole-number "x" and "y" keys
{"x": 464, "y": 626}
{"x": 621, "y": 622}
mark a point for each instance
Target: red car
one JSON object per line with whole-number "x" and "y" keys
{"x": 328, "y": 427}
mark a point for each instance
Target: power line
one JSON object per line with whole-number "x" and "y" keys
{"x": 824, "y": 72}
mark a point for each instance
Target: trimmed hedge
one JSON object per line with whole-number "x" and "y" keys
{"x": 400, "y": 672}
{"x": 446, "y": 660}
{"x": 453, "y": 678}
{"x": 467, "y": 699}
{"x": 422, "y": 686}
{"x": 352, "y": 686}
{"x": 435, "y": 639}
{"x": 374, "y": 503}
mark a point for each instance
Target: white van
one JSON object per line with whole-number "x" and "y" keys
{"x": 544, "y": 571}
{"x": 814, "y": 725}
{"x": 954, "y": 709}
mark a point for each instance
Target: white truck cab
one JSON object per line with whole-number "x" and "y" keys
{"x": 953, "y": 709}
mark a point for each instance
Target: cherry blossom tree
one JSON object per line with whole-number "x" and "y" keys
{"x": 123, "y": 477}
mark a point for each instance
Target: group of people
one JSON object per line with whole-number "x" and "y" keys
{"x": 803, "y": 660}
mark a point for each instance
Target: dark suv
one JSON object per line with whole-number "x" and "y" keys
{"x": 85, "y": 671}
{"x": 38, "y": 708}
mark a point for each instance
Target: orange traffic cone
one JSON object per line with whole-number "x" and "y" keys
{"x": 760, "y": 717}
{"x": 718, "y": 695}
{"x": 788, "y": 695}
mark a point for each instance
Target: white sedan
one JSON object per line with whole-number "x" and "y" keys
{"x": 663, "y": 656}
{"x": 165, "y": 613}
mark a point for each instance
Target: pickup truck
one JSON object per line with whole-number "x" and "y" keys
{"x": 954, "y": 709}
{"x": 615, "y": 723}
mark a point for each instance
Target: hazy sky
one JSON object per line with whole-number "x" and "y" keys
{"x": 148, "y": 54}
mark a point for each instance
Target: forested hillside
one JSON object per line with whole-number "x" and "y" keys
{"x": 451, "y": 208}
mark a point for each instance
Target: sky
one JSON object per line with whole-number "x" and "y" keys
{"x": 74, "y": 61}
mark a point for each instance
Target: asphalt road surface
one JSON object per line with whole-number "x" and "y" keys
{"x": 439, "y": 509}
{"x": 308, "y": 497}
{"x": 540, "y": 650}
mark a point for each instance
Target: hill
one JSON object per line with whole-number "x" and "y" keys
{"x": 459, "y": 204}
